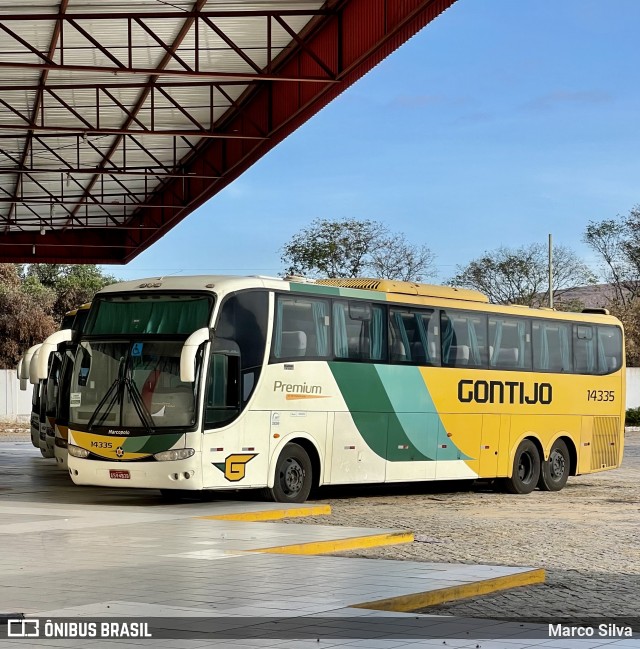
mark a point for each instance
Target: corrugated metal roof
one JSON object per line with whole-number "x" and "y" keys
{"x": 119, "y": 114}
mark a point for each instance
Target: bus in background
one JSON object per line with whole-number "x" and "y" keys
{"x": 229, "y": 382}
{"x": 44, "y": 392}
{"x": 57, "y": 345}
{"x": 40, "y": 416}
{"x": 67, "y": 352}
{"x": 23, "y": 376}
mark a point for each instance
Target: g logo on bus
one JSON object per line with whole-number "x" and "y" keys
{"x": 234, "y": 466}
{"x": 119, "y": 451}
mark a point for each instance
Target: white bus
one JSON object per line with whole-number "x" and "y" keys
{"x": 226, "y": 382}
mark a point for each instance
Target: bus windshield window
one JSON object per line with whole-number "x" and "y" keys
{"x": 117, "y": 381}
{"x": 80, "y": 320}
{"x": 149, "y": 313}
{"x": 52, "y": 384}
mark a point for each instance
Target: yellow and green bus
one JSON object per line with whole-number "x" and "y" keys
{"x": 216, "y": 382}
{"x": 59, "y": 414}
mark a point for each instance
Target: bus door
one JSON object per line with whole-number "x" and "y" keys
{"x": 494, "y": 444}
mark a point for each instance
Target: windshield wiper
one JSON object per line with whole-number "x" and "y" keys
{"x": 115, "y": 389}
{"x": 116, "y": 392}
{"x": 139, "y": 405}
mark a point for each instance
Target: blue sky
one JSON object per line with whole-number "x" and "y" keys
{"x": 500, "y": 122}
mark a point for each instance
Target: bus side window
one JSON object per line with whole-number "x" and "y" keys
{"x": 413, "y": 336}
{"x": 222, "y": 396}
{"x": 359, "y": 331}
{"x": 551, "y": 346}
{"x": 243, "y": 319}
{"x": 464, "y": 339}
{"x": 302, "y": 328}
{"x": 509, "y": 343}
{"x": 585, "y": 359}
{"x": 609, "y": 349}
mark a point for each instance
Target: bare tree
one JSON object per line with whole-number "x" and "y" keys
{"x": 617, "y": 243}
{"x": 520, "y": 275}
{"x": 396, "y": 258}
{"x": 355, "y": 248}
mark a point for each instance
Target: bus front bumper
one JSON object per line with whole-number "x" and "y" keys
{"x": 179, "y": 474}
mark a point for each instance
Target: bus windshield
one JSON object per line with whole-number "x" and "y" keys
{"x": 131, "y": 383}
{"x": 148, "y": 313}
{"x": 53, "y": 381}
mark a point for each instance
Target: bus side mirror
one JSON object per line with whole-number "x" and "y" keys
{"x": 188, "y": 354}
{"x": 33, "y": 367}
{"x": 50, "y": 346}
{"x": 23, "y": 382}
{"x": 25, "y": 366}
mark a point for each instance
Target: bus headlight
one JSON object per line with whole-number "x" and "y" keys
{"x": 177, "y": 454}
{"x": 76, "y": 451}
{"x": 61, "y": 443}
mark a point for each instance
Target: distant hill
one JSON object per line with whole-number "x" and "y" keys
{"x": 592, "y": 296}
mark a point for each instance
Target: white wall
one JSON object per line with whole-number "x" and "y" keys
{"x": 15, "y": 405}
{"x": 633, "y": 387}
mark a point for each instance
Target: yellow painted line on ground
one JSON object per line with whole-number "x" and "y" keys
{"x": 271, "y": 514}
{"x": 341, "y": 545}
{"x": 415, "y": 601}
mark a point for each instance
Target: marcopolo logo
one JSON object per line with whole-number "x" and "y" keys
{"x": 504, "y": 392}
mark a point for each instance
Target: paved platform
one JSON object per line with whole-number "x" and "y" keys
{"x": 208, "y": 574}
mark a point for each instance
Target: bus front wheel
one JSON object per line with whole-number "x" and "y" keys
{"x": 293, "y": 477}
{"x": 526, "y": 469}
{"x": 555, "y": 470}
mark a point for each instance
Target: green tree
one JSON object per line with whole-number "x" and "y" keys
{"x": 355, "y": 248}
{"x": 520, "y": 275}
{"x": 34, "y": 298}
{"x": 73, "y": 284}
{"x": 25, "y": 314}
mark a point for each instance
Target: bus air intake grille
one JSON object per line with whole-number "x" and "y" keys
{"x": 406, "y": 288}
{"x": 604, "y": 448}
{"x": 366, "y": 284}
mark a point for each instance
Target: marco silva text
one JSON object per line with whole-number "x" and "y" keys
{"x": 601, "y": 631}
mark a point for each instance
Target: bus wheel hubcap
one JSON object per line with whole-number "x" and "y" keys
{"x": 525, "y": 467}
{"x": 293, "y": 476}
{"x": 557, "y": 465}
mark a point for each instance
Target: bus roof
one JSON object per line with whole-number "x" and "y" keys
{"x": 375, "y": 289}
{"x": 408, "y": 288}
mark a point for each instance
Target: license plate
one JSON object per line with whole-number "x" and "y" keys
{"x": 119, "y": 475}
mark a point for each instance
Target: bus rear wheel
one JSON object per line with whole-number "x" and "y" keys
{"x": 555, "y": 471}
{"x": 293, "y": 477}
{"x": 526, "y": 469}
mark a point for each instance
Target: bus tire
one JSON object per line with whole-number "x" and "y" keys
{"x": 293, "y": 478}
{"x": 526, "y": 469}
{"x": 555, "y": 471}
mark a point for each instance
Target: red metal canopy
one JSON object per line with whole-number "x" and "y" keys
{"x": 118, "y": 120}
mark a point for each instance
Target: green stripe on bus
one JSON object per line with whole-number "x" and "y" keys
{"x": 393, "y": 411}
{"x": 335, "y": 291}
{"x": 151, "y": 443}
